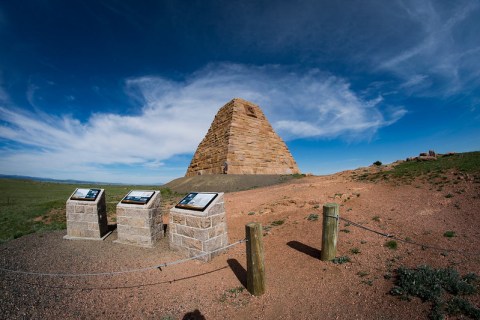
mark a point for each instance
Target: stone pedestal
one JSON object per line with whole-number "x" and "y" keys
{"x": 87, "y": 219}
{"x": 140, "y": 224}
{"x": 198, "y": 232}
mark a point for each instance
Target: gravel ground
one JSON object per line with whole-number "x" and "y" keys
{"x": 299, "y": 285}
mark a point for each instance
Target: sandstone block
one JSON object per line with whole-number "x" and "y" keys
{"x": 217, "y": 219}
{"x": 201, "y": 234}
{"x": 192, "y": 243}
{"x": 185, "y": 231}
{"x": 213, "y": 244}
{"x": 177, "y": 219}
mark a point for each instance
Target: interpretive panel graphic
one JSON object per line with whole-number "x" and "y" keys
{"x": 138, "y": 197}
{"x": 85, "y": 194}
{"x": 196, "y": 201}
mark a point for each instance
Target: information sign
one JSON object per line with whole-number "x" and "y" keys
{"x": 85, "y": 194}
{"x": 138, "y": 197}
{"x": 196, "y": 201}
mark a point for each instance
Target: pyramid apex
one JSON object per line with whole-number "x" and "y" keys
{"x": 241, "y": 101}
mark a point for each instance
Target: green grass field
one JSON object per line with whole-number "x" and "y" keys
{"x": 28, "y": 206}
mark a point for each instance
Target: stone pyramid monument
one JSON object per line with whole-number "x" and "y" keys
{"x": 241, "y": 141}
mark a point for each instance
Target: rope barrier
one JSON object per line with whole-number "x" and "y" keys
{"x": 160, "y": 266}
{"x": 426, "y": 246}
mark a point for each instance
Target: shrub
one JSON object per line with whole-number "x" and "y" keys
{"x": 449, "y": 234}
{"x": 432, "y": 285}
{"x": 377, "y": 163}
{"x": 341, "y": 260}
{"x": 355, "y": 251}
{"x": 362, "y": 274}
{"x": 277, "y": 223}
{"x": 392, "y": 244}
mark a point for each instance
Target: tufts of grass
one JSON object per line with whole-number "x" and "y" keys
{"x": 368, "y": 282}
{"x": 341, "y": 260}
{"x": 449, "y": 234}
{"x": 449, "y": 195}
{"x": 355, "y": 250}
{"x": 251, "y": 213}
{"x": 277, "y": 223}
{"x": 298, "y": 175}
{"x": 391, "y": 244}
{"x": 236, "y": 291}
{"x": 312, "y": 217}
{"x": 376, "y": 218}
{"x": 436, "y": 286}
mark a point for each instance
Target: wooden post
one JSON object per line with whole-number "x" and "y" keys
{"x": 330, "y": 231}
{"x": 255, "y": 261}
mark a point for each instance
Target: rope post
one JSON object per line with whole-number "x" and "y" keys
{"x": 330, "y": 231}
{"x": 255, "y": 260}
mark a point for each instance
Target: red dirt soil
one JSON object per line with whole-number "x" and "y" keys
{"x": 299, "y": 285}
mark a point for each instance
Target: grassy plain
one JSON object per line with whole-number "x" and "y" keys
{"x": 28, "y": 206}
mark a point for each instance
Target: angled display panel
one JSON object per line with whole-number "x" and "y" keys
{"x": 138, "y": 197}
{"x": 85, "y": 194}
{"x": 196, "y": 201}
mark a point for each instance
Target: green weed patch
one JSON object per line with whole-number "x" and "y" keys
{"x": 444, "y": 288}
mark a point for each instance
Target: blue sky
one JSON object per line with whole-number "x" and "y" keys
{"x": 124, "y": 91}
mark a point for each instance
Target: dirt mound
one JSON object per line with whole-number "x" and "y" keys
{"x": 225, "y": 182}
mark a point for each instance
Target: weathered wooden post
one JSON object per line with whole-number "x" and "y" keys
{"x": 330, "y": 231}
{"x": 255, "y": 261}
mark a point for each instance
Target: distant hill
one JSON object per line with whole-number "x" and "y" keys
{"x": 68, "y": 181}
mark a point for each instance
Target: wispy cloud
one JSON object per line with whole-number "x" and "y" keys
{"x": 442, "y": 40}
{"x": 401, "y": 38}
{"x": 173, "y": 117}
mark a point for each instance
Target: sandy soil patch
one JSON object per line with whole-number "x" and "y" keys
{"x": 299, "y": 285}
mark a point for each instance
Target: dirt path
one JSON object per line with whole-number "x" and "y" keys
{"x": 299, "y": 285}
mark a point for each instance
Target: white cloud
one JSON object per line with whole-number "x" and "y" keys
{"x": 414, "y": 81}
{"x": 174, "y": 116}
{"x": 444, "y": 49}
